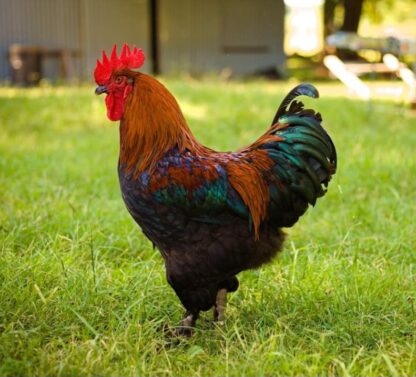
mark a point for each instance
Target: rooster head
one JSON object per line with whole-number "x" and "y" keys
{"x": 113, "y": 76}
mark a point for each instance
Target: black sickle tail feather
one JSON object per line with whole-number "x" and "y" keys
{"x": 305, "y": 158}
{"x": 290, "y": 107}
{"x": 300, "y": 90}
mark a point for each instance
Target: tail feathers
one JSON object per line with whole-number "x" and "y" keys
{"x": 308, "y": 123}
{"x": 300, "y": 90}
{"x": 305, "y": 157}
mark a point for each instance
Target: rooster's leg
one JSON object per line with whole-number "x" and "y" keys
{"x": 220, "y": 304}
{"x": 187, "y": 323}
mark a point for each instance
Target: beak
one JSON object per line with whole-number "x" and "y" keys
{"x": 100, "y": 89}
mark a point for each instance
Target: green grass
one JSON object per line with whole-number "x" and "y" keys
{"x": 82, "y": 292}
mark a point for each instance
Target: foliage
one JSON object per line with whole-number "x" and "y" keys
{"x": 376, "y": 11}
{"x": 84, "y": 293}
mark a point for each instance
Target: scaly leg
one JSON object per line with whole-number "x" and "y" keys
{"x": 220, "y": 304}
{"x": 187, "y": 323}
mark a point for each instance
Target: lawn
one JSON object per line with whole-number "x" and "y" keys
{"x": 82, "y": 291}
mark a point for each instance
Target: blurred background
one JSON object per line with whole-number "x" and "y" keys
{"x": 59, "y": 40}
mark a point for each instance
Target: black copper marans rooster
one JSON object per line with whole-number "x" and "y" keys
{"x": 211, "y": 214}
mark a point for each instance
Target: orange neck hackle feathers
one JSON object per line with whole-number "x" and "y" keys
{"x": 152, "y": 125}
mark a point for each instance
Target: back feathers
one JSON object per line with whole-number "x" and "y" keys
{"x": 273, "y": 180}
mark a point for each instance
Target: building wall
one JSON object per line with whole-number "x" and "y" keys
{"x": 85, "y": 26}
{"x": 194, "y": 35}
{"x": 203, "y": 36}
{"x": 114, "y": 21}
{"x": 52, "y": 23}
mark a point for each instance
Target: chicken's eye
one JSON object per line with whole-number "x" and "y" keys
{"x": 119, "y": 79}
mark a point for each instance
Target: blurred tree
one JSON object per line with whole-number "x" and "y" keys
{"x": 352, "y": 11}
{"x": 329, "y": 16}
{"x": 352, "y": 15}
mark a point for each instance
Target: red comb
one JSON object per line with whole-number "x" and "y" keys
{"x": 127, "y": 59}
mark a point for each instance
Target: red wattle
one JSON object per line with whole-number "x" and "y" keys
{"x": 114, "y": 107}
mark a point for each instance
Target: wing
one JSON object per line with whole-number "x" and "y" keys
{"x": 197, "y": 185}
{"x": 274, "y": 179}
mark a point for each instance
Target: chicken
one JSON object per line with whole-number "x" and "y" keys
{"x": 211, "y": 214}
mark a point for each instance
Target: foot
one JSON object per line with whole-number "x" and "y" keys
{"x": 220, "y": 305}
{"x": 186, "y": 326}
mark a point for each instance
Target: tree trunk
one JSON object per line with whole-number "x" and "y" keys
{"x": 352, "y": 15}
{"x": 329, "y": 13}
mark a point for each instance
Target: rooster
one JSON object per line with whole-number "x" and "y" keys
{"x": 211, "y": 214}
